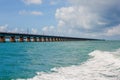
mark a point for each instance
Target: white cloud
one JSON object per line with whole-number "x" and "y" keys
{"x": 77, "y": 21}
{"x": 16, "y": 30}
{"x": 23, "y": 12}
{"x": 49, "y": 30}
{"x": 29, "y": 2}
{"x": 88, "y": 18}
{"x": 53, "y": 2}
{"x": 34, "y": 31}
{"x": 57, "y": 2}
{"x": 22, "y": 30}
{"x": 3, "y": 28}
{"x": 113, "y": 31}
{"x": 76, "y": 16}
{"x": 36, "y": 13}
{"x": 45, "y": 28}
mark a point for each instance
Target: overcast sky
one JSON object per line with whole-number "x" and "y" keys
{"x": 77, "y": 18}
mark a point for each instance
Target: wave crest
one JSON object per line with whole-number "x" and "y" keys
{"x": 103, "y": 65}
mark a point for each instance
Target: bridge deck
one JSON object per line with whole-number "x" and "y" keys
{"x": 22, "y": 36}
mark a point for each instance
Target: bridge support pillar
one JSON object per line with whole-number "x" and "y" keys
{"x": 56, "y": 39}
{"x": 34, "y": 39}
{"x": 39, "y": 39}
{"x": 21, "y": 39}
{"x": 50, "y": 39}
{"x": 12, "y": 39}
{"x": 53, "y": 39}
{"x": 62, "y": 39}
{"x": 42, "y": 39}
{"x": 28, "y": 39}
{"x": 46, "y": 39}
{"x": 2, "y": 39}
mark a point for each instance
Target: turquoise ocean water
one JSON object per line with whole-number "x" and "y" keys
{"x": 80, "y": 60}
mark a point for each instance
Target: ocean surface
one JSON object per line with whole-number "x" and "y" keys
{"x": 80, "y": 60}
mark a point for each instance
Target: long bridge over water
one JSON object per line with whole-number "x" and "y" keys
{"x": 24, "y": 37}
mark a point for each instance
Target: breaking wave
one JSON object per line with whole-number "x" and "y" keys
{"x": 102, "y": 65}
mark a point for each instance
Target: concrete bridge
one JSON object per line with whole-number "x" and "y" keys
{"x": 23, "y": 37}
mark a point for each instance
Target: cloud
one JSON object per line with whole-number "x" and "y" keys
{"x": 46, "y": 28}
{"x": 16, "y": 30}
{"x": 49, "y": 30}
{"x": 34, "y": 31}
{"x": 36, "y": 13}
{"x": 22, "y": 30}
{"x": 29, "y": 2}
{"x": 113, "y": 31}
{"x": 75, "y": 16}
{"x": 3, "y": 28}
{"x": 89, "y": 18}
{"x": 55, "y": 2}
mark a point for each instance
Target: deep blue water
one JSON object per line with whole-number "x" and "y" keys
{"x": 23, "y": 60}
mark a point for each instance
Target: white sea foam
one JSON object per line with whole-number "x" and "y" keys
{"x": 102, "y": 65}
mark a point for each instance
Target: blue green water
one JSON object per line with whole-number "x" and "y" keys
{"x": 24, "y": 60}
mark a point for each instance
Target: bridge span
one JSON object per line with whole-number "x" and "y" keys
{"x": 24, "y": 37}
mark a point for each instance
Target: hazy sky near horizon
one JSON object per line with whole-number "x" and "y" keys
{"x": 78, "y": 18}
